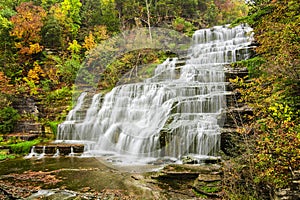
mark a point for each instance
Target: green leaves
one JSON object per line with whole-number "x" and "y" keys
{"x": 181, "y": 25}
{"x": 71, "y": 8}
{"x": 8, "y": 118}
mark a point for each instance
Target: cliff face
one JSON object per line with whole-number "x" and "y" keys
{"x": 235, "y": 113}
{"x": 27, "y": 127}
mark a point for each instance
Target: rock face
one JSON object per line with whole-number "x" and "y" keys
{"x": 27, "y": 125}
{"x": 236, "y": 113}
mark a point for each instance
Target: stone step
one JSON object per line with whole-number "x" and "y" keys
{"x": 64, "y": 149}
{"x": 204, "y": 179}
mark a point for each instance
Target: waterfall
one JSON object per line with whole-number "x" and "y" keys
{"x": 32, "y": 153}
{"x": 176, "y": 112}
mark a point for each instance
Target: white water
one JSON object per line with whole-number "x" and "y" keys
{"x": 32, "y": 153}
{"x": 42, "y": 155}
{"x": 175, "y": 113}
{"x": 57, "y": 153}
{"x": 72, "y": 152}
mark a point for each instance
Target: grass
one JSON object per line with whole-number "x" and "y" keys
{"x": 4, "y": 155}
{"x": 23, "y": 147}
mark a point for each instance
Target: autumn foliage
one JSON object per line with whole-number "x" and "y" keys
{"x": 271, "y": 153}
{"x": 27, "y": 26}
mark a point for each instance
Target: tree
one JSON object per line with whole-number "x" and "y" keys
{"x": 109, "y": 15}
{"x": 148, "y": 4}
{"x": 90, "y": 15}
{"x": 27, "y": 26}
{"x": 6, "y": 44}
{"x": 71, "y": 9}
{"x": 89, "y": 42}
{"x": 229, "y": 10}
{"x": 46, "y": 4}
{"x": 67, "y": 15}
{"x": 8, "y": 115}
{"x": 52, "y": 33}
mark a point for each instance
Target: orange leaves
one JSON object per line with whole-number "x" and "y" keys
{"x": 27, "y": 25}
{"x": 32, "y": 49}
{"x": 89, "y": 42}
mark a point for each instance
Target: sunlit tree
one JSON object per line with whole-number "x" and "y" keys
{"x": 28, "y": 23}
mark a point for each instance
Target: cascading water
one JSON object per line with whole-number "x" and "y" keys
{"x": 176, "y": 112}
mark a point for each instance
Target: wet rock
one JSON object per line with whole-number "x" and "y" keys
{"x": 22, "y": 136}
{"x": 230, "y": 139}
{"x": 208, "y": 185}
{"x": 64, "y": 149}
{"x": 53, "y": 194}
{"x": 236, "y": 117}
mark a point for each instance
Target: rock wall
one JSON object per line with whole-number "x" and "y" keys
{"x": 235, "y": 113}
{"x": 28, "y": 109}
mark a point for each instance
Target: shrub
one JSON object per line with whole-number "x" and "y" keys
{"x": 181, "y": 25}
{"x": 23, "y": 147}
{"x": 8, "y": 118}
{"x": 53, "y": 126}
{"x": 4, "y": 155}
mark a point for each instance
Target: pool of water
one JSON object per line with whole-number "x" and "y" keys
{"x": 74, "y": 174}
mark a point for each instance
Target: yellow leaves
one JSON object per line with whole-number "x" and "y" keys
{"x": 35, "y": 48}
{"x": 281, "y": 111}
{"x": 18, "y": 45}
{"x": 32, "y": 49}
{"x": 100, "y": 33}
{"x": 89, "y": 42}
{"x": 53, "y": 75}
{"x": 74, "y": 47}
{"x": 58, "y": 14}
{"x": 35, "y": 73}
{"x": 5, "y": 23}
{"x": 267, "y": 140}
{"x": 66, "y": 6}
{"x": 70, "y": 10}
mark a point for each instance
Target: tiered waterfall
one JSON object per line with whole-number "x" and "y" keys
{"x": 176, "y": 112}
